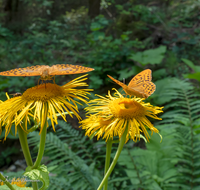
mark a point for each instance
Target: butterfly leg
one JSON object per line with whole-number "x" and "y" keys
{"x": 39, "y": 81}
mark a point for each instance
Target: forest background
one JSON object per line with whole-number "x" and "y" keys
{"x": 119, "y": 38}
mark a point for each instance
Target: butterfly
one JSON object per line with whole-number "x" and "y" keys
{"x": 140, "y": 85}
{"x": 47, "y": 72}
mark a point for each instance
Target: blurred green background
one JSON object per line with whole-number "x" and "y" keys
{"x": 119, "y": 38}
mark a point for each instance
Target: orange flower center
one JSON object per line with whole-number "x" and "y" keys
{"x": 126, "y": 108}
{"x": 43, "y": 92}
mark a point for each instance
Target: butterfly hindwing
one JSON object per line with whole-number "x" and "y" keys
{"x": 146, "y": 89}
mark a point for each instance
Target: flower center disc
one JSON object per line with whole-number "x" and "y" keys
{"x": 43, "y": 92}
{"x": 126, "y": 108}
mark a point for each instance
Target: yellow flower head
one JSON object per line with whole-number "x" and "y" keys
{"x": 110, "y": 115}
{"x": 19, "y": 182}
{"x": 39, "y": 102}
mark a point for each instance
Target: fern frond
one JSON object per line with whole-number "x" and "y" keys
{"x": 62, "y": 149}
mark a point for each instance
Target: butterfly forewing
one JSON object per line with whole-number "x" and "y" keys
{"x": 66, "y": 69}
{"x": 140, "y": 78}
{"x": 27, "y": 71}
{"x": 118, "y": 82}
{"x": 44, "y": 70}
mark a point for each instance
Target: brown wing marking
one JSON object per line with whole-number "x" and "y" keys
{"x": 66, "y": 69}
{"x": 146, "y": 88}
{"x": 27, "y": 71}
{"x": 140, "y": 78}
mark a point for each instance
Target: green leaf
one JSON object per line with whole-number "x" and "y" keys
{"x": 191, "y": 65}
{"x": 96, "y": 26}
{"x": 193, "y": 76}
{"x": 151, "y": 56}
{"x": 160, "y": 73}
{"x": 97, "y": 82}
{"x": 41, "y": 174}
{"x": 125, "y": 73}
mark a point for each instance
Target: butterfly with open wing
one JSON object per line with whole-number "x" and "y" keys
{"x": 140, "y": 85}
{"x": 47, "y": 72}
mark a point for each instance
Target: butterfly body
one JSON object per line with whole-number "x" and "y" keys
{"x": 140, "y": 85}
{"x": 46, "y": 72}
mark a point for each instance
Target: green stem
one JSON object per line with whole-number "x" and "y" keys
{"x": 24, "y": 144}
{"x": 42, "y": 139}
{"x": 41, "y": 148}
{"x": 6, "y": 182}
{"x": 114, "y": 162}
{"x": 107, "y": 163}
{"x": 26, "y": 151}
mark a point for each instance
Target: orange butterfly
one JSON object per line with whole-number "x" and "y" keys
{"x": 46, "y": 72}
{"x": 140, "y": 85}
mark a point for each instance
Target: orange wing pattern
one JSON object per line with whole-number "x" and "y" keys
{"x": 140, "y": 85}
{"x": 27, "y": 71}
{"x": 66, "y": 69}
{"x": 45, "y": 71}
{"x": 140, "y": 78}
{"x": 118, "y": 82}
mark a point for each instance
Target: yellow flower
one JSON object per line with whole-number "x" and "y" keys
{"x": 110, "y": 115}
{"x": 19, "y": 182}
{"x": 45, "y": 99}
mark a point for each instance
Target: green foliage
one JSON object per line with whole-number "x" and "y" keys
{"x": 100, "y": 22}
{"x": 5, "y": 156}
{"x": 182, "y": 120}
{"x": 196, "y": 68}
{"x": 71, "y": 156}
{"x": 133, "y": 36}
{"x": 41, "y": 173}
{"x": 148, "y": 169}
{"x": 151, "y": 56}
{"x": 185, "y": 118}
{"x": 173, "y": 163}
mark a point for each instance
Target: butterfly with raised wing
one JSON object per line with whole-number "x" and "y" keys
{"x": 47, "y": 72}
{"x": 140, "y": 85}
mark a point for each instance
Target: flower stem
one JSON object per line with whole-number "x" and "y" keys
{"x": 114, "y": 162}
{"x": 107, "y": 162}
{"x": 26, "y": 151}
{"x": 6, "y": 182}
{"x": 42, "y": 139}
{"x": 24, "y": 145}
